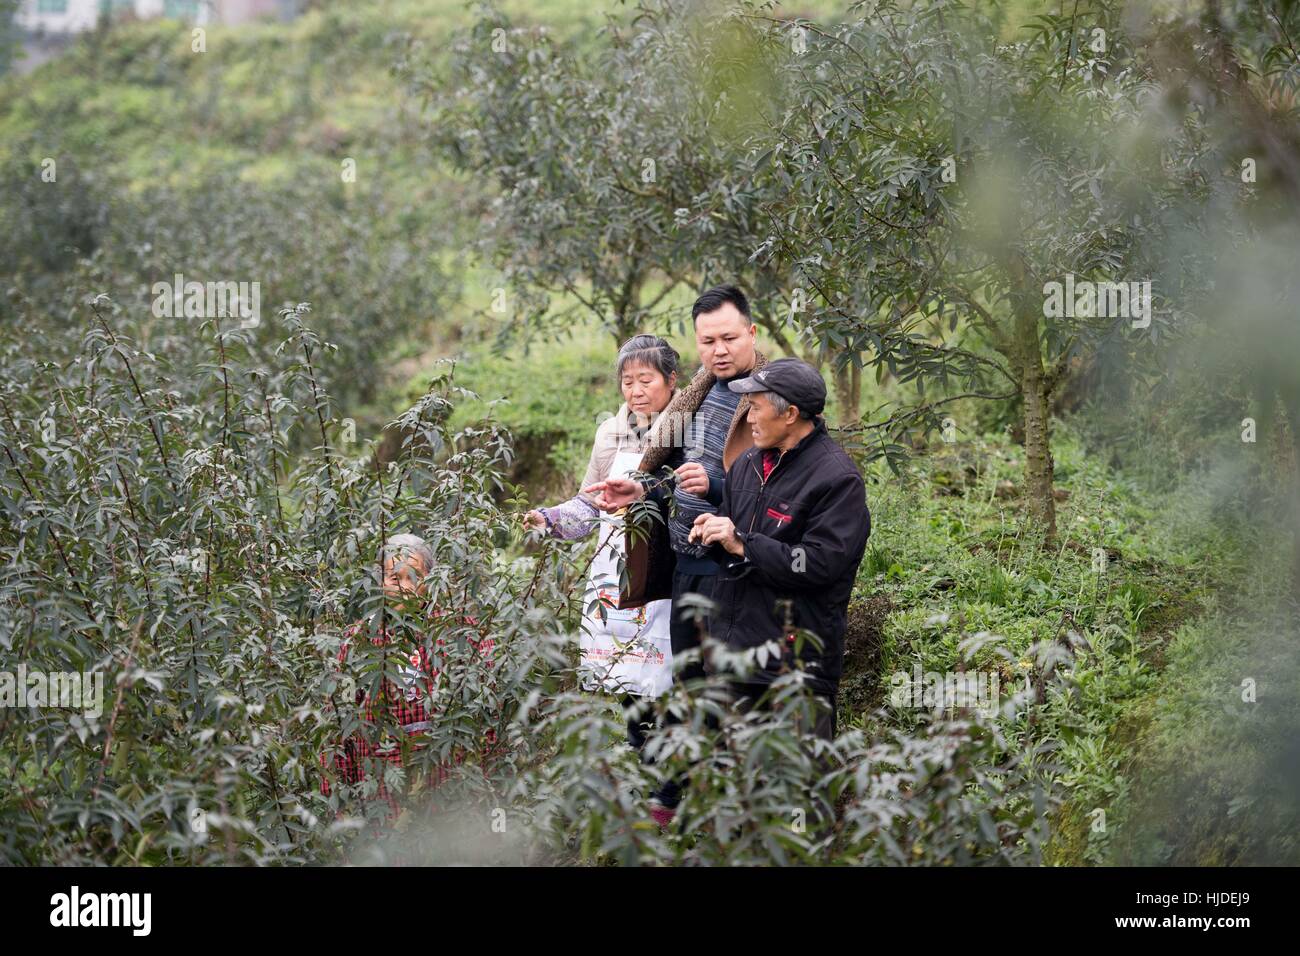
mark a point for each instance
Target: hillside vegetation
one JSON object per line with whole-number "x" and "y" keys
{"x": 196, "y": 510}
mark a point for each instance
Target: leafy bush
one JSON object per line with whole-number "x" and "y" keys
{"x": 158, "y": 530}
{"x": 291, "y": 238}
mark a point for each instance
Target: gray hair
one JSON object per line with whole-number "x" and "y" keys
{"x": 648, "y": 350}
{"x": 780, "y": 404}
{"x": 401, "y": 545}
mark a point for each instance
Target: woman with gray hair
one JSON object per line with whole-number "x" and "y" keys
{"x": 408, "y": 559}
{"x": 401, "y": 713}
{"x": 647, "y": 373}
{"x": 625, "y": 651}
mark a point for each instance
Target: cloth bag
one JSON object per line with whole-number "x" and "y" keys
{"x": 629, "y": 651}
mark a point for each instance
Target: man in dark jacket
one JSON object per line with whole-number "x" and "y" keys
{"x": 792, "y": 530}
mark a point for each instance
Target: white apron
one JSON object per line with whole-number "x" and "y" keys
{"x": 630, "y": 651}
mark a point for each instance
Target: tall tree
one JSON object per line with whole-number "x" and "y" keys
{"x": 600, "y": 174}
{"x": 949, "y": 190}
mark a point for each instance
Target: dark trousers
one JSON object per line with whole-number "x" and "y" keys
{"x": 745, "y": 696}
{"x": 640, "y": 720}
{"x": 684, "y": 633}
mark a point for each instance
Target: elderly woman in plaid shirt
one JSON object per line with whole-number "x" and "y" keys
{"x": 394, "y": 720}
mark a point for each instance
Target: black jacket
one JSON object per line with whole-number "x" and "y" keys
{"x": 805, "y": 529}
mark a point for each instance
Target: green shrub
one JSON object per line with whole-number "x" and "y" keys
{"x": 158, "y": 529}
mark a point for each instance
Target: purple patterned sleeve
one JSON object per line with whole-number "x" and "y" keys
{"x": 575, "y": 518}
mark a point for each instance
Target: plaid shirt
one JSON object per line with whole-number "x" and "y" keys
{"x": 393, "y": 708}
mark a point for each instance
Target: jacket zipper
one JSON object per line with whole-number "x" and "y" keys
{"x": 762, "y": 492}
{"x": 762, "y": 484}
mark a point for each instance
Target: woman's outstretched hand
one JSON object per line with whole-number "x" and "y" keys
{"x": 534, "y": 521}
{"x": 614, "y": 493}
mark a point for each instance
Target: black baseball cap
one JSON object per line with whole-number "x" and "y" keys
{"x": 793, "y": 379}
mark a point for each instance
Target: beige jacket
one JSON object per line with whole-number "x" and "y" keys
{"x": 614, "y": 435}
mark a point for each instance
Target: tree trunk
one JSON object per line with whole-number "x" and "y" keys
{"x": 848, "y": 389}
{"x": 1039, "y": 470}
{"x": 855, "y": 389}
{"x": 627, "y": 309}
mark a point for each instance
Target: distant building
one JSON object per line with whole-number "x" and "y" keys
{"x": 58, "y": 16}
{"x": 47, "y": 26}
{"x": 74, "y": 16}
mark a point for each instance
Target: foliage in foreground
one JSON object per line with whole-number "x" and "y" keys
{"x": 155, "y": 530}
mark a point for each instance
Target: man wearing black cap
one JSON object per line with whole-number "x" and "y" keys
{"x": 792, "y": 530}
